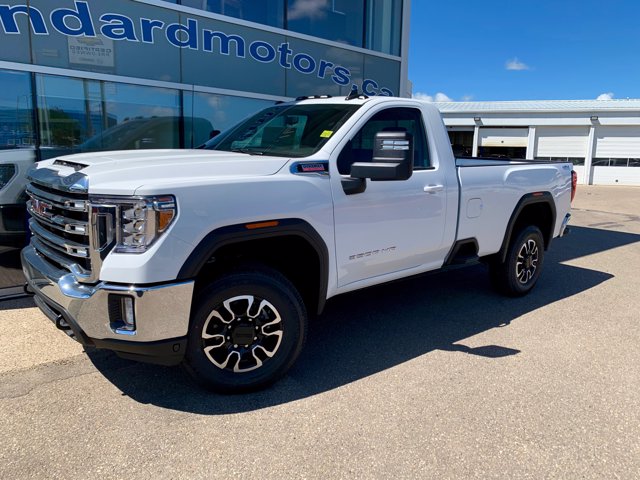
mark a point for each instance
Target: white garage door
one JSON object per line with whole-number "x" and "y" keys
{"x": 617, "y": 142}
{"x": 504, "y": 137}
{"x": 616, "y": 156}
{"x": 563, "y": 142}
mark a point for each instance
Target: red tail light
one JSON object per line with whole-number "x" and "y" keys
{"x": 574, "y": 184}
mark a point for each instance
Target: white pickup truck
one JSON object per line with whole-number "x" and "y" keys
{"x": 215, "y": 257}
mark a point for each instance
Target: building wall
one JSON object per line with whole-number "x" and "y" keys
{"x": 86, "y": 66}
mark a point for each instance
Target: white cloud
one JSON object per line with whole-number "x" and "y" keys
{"x": 606, "y": 96}
{"x": 422, "y": 96}
{"x": 438, "y": 97}
{"x": 441, "y": 97}
{"x": 312, "y": 9}
{"x": 515, "y": 64}
{"x": 467, "y": 98}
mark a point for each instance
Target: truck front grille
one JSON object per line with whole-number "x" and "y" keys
{"x": 68, "y": 231}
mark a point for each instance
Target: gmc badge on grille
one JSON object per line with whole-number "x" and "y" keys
{"x": 41, "y": 208}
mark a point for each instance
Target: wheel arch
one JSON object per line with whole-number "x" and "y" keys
{"x": 537, "y": 209}
{"x": 292, "y": 246}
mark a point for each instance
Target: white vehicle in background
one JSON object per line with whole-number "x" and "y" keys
{"x": 14, "y": 164}
{"x": 216, "y": 257}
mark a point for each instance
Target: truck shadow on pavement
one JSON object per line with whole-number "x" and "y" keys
{"x": 366, "y": 332}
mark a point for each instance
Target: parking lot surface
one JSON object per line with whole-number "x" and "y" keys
{"x": 435, "y": 377}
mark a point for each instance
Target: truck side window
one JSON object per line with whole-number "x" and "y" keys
{"x": 360, "y": 148}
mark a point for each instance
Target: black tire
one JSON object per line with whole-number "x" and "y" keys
{"x": 518, "y": 274}
{"x": 247, "y": 329}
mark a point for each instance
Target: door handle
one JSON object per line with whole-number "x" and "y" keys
{"x": 433, "y": 188}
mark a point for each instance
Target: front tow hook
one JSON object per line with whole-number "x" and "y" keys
{"x": 62, "y": 324}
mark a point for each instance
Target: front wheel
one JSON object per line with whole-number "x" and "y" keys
{"x": 518, "y": 274}
{"x": 247, "y": 329}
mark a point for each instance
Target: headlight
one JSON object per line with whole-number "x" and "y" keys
{"x": 140, "y": 221}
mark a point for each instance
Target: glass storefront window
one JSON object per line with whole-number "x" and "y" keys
{"x": 337, "y": 20}
{"x": 384, "y": 26}
{"x": 227, "y": 60}
{"x": 16, "y": 117}
{"x": 17, "y": 137}
{"x": 207, "y": 114}
{"x": 138, "y": 117}
{"x": 65, "y": 118}
{"x": 87, "y": 115}
{"x": 324, "y": 81}
{"x": 125, "y": 48}
{"x": 265, "y": 12}
{"x": 15, "y": 48}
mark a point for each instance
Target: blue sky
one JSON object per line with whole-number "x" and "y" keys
{"x": 525, "y": 50}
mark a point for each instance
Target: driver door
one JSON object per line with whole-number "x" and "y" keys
{"x": 393, "y": 225}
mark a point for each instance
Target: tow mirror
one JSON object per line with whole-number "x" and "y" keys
{"x": 392, "y": 158}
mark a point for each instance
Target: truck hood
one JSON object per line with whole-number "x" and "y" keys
{"x": 132, "y": 171}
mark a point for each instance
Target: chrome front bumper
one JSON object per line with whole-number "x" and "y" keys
{"x": 161, "y": 312}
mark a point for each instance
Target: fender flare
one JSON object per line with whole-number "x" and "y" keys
{"x": 525, "y": 201}
{"x": 231, "y": 234}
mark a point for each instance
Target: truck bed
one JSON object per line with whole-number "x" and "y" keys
{"x": 491, "y": 187}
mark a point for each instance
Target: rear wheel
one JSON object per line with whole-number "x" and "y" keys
{"x": 518, "y": 274}
{"x": 247, "y": 329}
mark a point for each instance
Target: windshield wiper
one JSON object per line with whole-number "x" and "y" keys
{"x": 247, "y": 150}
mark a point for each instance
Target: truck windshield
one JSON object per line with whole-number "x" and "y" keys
{"x": 284, "y": 130}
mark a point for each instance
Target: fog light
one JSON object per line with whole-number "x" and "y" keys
{"x": 122, "y": 314}
{"x": 127, "y": 312}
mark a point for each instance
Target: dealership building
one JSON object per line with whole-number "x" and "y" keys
{"x": 72, "y": 70}
{"x": 86, "y": 75}
{"x": 600, "y": 137}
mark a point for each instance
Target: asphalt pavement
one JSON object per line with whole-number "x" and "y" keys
{"x": 436, "y": 377}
